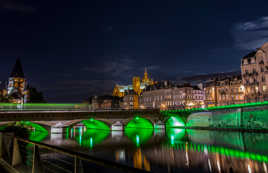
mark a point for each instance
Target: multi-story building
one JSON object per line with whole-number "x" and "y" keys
{"x": 165, "y": 95}
{"x": 225, "y": 91}
{"x": 254, "y": 68}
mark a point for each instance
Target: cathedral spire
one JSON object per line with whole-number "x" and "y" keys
{"x": 145, "y": 74}
{"x": 17, "y": 69}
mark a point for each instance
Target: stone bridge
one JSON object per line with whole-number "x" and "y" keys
{"x": 61, "y": 119}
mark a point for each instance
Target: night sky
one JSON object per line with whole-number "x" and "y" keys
{"x": 73, "y": 49}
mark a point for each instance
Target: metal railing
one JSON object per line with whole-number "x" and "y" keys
{"x": 23, "y": 155}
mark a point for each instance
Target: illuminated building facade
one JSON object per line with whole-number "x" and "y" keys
{"x": 254, "y": 68}
{"x": 121, "y": 90}
{"x": 165, "y": 95}
{"x": 16, "y": 89}
{"x": 224, "y": 91}
{"x": 131, "y": 93}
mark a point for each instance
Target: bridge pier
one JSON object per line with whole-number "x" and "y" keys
{"x": 159, "y": 125}
{"x": 117, "y": 126}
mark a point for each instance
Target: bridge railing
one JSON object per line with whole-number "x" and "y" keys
{"x": 21, "y": 155}
{"x": 43, "y": 107}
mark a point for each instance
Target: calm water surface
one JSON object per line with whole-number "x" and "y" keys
{"x": 170, "y": 150}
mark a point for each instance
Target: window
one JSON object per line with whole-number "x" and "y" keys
{"x": 264, "y": 88}
{"x": 263, "y": 79}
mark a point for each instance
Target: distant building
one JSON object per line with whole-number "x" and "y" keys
{"x": 226, "y": 91}
{"x": 16, "y": 89}
{"x": 105, "y": 102}
{"x": 254, "y": 69}
{"x": 165, "y": 95}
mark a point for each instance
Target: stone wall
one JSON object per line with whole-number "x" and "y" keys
{"x": 255, "y": 118}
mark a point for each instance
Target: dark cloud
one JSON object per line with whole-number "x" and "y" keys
{"x": 17, "y": 6}
{"x": 120, "y": 70}
{"x": 78, "y": 90}
{"x": 250, "y": 35}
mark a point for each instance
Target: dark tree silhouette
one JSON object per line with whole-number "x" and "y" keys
{"x": 35, "y": 96}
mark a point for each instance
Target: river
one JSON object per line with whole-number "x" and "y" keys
{"x": 170, "y": 150}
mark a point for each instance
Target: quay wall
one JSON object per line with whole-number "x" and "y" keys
{"x": 247, "y": 118}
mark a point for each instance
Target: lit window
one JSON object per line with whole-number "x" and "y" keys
{"x": 256, "y": 88}
{"x": 264, "y": 88}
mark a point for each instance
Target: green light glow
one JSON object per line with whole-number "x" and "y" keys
{"x": 230, "y": 139}
{"x": 174, "y": 121}
{"x": 91, "y": 137}
{"x": 38, "y": 136}
{"x": 95, "y": 124}
{"x": 67, "y": 133}
{"x": 246, "y": 119}
{"x": 175, "y": 135}
{"x": 140, "y": 123}
{"x": 34, "y": 126}
{"x": 138, "y": 136}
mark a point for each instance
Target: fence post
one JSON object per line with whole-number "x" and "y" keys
{"x": 37, "y": 165}
{"x": 1, "y": 145}
{"x": 78, "y": 168}
{"x": 16, "y": 156}
{"x": 75, "y": 164}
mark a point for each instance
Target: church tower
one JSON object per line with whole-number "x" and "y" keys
{"x": 17, "y": 84}
{"x": 146, "y": 80}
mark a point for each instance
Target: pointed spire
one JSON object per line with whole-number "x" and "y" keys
{"x": 145, "y": 74}
{"x": 17, "y": 69}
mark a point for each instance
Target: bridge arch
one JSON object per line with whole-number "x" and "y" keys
{"x": 139, "y": 122}
{"x": 96, "y": 124}
{"x": 174, "y": 121}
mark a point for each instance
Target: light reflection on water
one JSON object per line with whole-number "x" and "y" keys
{"x": 173, "y": 149}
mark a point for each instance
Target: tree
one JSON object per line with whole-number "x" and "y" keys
{"x": 35, "y": 96}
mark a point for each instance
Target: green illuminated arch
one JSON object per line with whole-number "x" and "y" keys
{"x": 95, "y": 124}
{"x": 140, "y": 123}
{"x": 38, "y": 136}
{"x": 33, "y": 126}
{"x": 139, "y": 136}
{"x": 91, "y": 137}
{"x": 174, "y": 121}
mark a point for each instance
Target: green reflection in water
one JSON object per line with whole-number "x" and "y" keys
{"x": 222, "y": 151}
{"x": 175, "y": 135}
{"x": 67, "y": 136}
{"x": 138, "y": 122}
{"x": 175, "y": 121}
{"x": 95, "y": 124}
{"x": 90, "y": 137}
{"x": 139, "y": 136}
